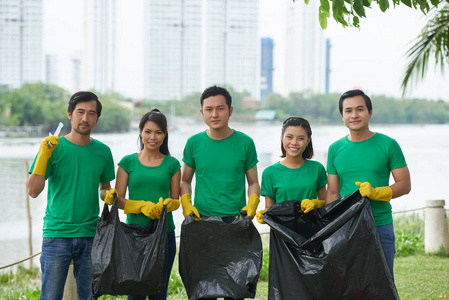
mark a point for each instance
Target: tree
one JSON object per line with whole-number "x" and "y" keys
{"x": 349, "y": 12}
{"x": 433, "y": 41}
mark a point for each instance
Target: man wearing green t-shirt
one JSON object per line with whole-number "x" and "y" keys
{"x": 364, "y": 160}
{"x": 76, "y": 167}
{"x": 220, "y": 158}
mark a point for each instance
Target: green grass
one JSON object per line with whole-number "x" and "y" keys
{"x": 417, "y": 275}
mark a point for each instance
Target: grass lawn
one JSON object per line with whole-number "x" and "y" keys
{"x": 417, "y": 276}
{"x": 422, "y": 277}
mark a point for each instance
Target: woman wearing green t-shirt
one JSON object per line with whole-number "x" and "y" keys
{"x": 149, "y": 175}
{"x": 296, "y": 177}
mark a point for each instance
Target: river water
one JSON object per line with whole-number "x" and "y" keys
{"x": 426, "y": 149}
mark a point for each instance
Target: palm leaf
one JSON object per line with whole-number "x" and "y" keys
{"x": 433, "y": 41}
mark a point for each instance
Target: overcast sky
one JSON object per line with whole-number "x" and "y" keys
{"x": 371, "y": 58}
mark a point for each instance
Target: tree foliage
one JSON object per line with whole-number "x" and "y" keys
{"x": 38, "y": 104}
{"x": 349, "y": 12}
{"x": 323, "y": 109}
{"x": 433, "y": 42}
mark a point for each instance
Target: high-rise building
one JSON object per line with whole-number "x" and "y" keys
{"x": 100, "y": 45}
{"x": 20, "y": 42}
{"x": 51, "y": 69}
{"x": 304, "y": 67}
{"x": 266, "y": 72}
{"x": 192, "y": 44}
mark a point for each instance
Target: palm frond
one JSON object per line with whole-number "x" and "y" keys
{"x": 433, "y": 41}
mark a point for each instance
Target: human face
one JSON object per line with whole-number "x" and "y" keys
{"x": 355, "y": 113}
{"x": 84, "y": 117}
{"x": 152, "y": 136}
{"x": 295, "y": 141}
{"x": 216, "y": 112}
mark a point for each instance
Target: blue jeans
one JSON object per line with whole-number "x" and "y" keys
{"x": 171, "y": 258}
{"x": 57, "y": 253}
{"x": 387, "y": 239}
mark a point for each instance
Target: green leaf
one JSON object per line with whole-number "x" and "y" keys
{"x": 359, "y": 8}
{"x": 322, "y": 17}
{"x": 407, "y": 2}
{"x": 383, "y": 5}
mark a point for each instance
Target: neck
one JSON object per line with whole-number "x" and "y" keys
{"x": 219, "y": 134}
{"x": 150, "y": 155}
{"x": 358, "y": 136}
{"x": 78, "y": 139}
{"x": 293, "y": 162}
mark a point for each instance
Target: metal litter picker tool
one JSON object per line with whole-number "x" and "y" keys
{"x": 57, "y": 131}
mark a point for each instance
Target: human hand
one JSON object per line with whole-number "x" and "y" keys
{"x": 382, "y": 193}
{"x": 109, "y": 196}
{"x": 45, "y": 151}
{"x": 259, "y": 216}
{"x": 308, "y": 205}
{"x": 188, "y": 208}
{"x": 253, "y": 202}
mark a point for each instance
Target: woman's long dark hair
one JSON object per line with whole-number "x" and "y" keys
{"x": 157, "y": 117}
{"x": 297, "y": 121}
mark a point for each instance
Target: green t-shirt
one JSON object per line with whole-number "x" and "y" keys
{"x": 74, "y": 173}
{"x": 220, "y": 171}
{"x": 149, "y": 184}
{"x": 281, "y": 183}
{"x": 371, "y": 160}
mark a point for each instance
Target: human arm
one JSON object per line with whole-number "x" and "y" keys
{"x": 253, "y": 192}
{"x": 400, "y": 187}
{"x": 175, "y": 185}
{"x": 268, "y": 203}
{"x": 186, "y": 188}
{"x": 333, "y": 188}
{"x": 121, "y": 185}
{"x": 402, "y": 182}
{"x": 36, "y": 182}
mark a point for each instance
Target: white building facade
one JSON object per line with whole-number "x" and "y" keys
{"x": 20, "y": 42}
{"x": 192, "y": 44}
{"x": 304, "y": 49}
{"x": 99, "y": 59}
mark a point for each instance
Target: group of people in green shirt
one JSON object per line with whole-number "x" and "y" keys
{"x": 224, "y": 164}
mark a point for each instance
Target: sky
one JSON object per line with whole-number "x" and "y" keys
{"x": 371, "y": 58}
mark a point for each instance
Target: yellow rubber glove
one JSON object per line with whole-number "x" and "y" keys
{"x": 109, "y": 196}
{"x": 172, "y": 204}
{"x": 259, "y": 216}
{"x": 188, "y": 208}
{"x": 148, "y": 208}
{"x": 309, "y": 205}
{"x": 382, "y": 193}
{"x": 45, "y": 151}
{"x": 253, "y": 202}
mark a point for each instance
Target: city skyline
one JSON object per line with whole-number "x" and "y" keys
{"x": 372, "y": 58}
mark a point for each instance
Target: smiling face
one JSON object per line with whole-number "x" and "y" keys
{"x": 152, "y": 136}
{"x": 355, "y": 114}
{"x": 84, "y": 117}
{"x": 216, "y": 112}
{"x": 295, "y": 141}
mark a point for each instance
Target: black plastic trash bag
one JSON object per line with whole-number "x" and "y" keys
{"x": 129, "y": 259}
{"x": 329, "y": 253}
{"x": 220, "y": 257}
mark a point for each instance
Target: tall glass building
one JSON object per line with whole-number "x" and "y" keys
{"x": 266, "y": 72}
{"x": 192, "y": 44}
{"x": 20, "y": 42}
